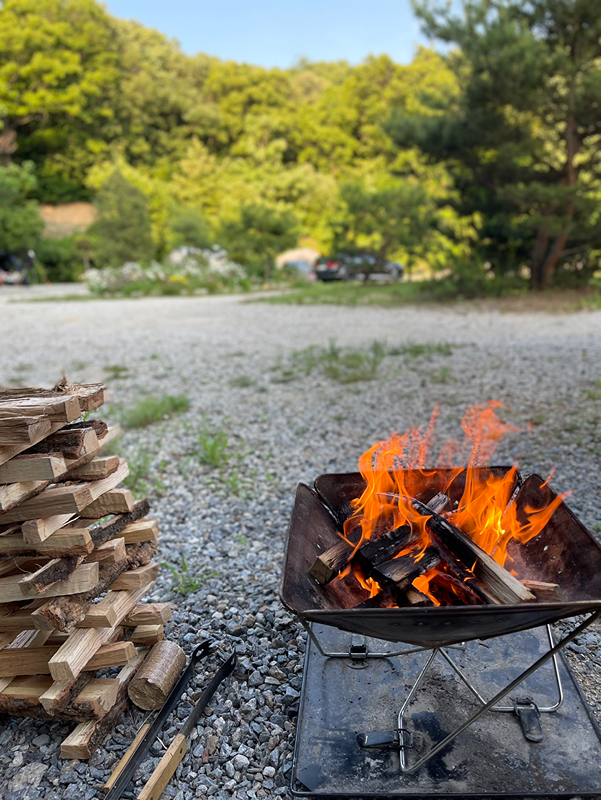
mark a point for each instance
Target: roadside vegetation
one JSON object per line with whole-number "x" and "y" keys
{"x": 477, "y": 163}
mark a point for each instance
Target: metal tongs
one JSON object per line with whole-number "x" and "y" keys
{"x": 162, "y": 774}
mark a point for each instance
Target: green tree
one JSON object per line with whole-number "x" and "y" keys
{"x": 189, "y": 227}
{"x": 258, "y": 234}
{"x": 522, "y": 138}
{"x": 123, "y": 230}
{"x": 388, "y": 220}
{"x": 58, "y": 80}
{"x": 21, "y": 225}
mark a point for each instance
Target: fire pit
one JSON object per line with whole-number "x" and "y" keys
{"x": 442, "y": 560}
{"x": 564, "y": 553}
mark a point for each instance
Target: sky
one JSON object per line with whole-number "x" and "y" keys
{"x": 276, "y": 33}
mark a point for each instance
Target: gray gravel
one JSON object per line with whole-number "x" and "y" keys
{"x": 234, "y": 361}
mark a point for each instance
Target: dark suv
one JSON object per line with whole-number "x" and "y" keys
{"x": 347, "y": 266}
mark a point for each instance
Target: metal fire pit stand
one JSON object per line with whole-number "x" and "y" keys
{"x": 401, "y": 740}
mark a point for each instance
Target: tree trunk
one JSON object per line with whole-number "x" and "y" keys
{"x": 8, "y": 145}
{"x": 538, "y": 257}
{"x": 572, "y": 146}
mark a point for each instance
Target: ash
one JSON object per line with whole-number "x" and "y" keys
{"x": 288, "y": 416}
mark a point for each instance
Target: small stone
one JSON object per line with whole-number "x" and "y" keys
{"x": 212, "y": 742}
{"x": 269, "y": 772}
{"x": 255, "y": 678}
{"x": 41, "y": 740}
{"x": 28, "y": 776}
{"x": 230, "y": 770}
{"x": 240, "y": 762}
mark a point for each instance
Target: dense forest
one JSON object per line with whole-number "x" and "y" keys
{"x": 482, "y": 162}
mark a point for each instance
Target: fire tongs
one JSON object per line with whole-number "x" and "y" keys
{"x": 162, "y": 774}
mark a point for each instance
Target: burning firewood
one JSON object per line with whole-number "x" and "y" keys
{"x": 494, "y": 577}
{"x": 330, "y": 563}
{"x": 403, "y": 570}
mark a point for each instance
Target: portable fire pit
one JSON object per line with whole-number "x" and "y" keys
{"x": 377, "y": 719}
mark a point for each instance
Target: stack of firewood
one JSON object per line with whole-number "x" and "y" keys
{"x": 75, "y": 561}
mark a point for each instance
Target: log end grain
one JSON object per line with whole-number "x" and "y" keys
{"x": 157, "y": 675}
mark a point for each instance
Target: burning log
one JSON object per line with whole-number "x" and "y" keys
{"x": 439, "y": 503}
{"x": 449, "y": 591}
{"x": 402, "y": 571}
{"x": 495, "y": 578}
{"x": 375, "y": 551}
{"x": 384, "y": 548}
{"x": 331, "y": 562}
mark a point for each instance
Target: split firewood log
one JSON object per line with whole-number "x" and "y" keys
{"x": 498, "y": 580}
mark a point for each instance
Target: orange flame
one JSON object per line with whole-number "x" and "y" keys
{"x": 395, "y": 471}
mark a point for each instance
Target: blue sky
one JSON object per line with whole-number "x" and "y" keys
{"x": 278, "y": 32}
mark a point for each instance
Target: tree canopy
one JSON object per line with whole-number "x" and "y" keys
{"x": 482, "y": 158}
{"x": 522, "y": 138}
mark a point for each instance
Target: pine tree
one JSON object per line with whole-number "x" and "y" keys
{"x": 522, "y": 139}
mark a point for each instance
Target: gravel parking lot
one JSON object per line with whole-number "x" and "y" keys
{"x": 250, "y": 376}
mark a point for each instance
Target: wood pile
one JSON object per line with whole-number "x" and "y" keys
{"x": 76, "y": 559}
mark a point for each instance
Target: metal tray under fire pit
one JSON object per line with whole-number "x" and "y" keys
{"x": 564, "y": 553}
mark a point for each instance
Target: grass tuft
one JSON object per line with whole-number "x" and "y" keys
{"x": 154, "y": 409}
{"x": 183, "y": 581}
{"x": 212, "y": 447}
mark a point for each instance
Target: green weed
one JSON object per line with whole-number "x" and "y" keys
{"x": 351, "y": 366}
{"x": 427, "y": 349}
{"x": 443, "y": 375}
{"x": 242, "y": 382}
{"x": 115, "y": 372}
{"x": 211, "y": 448}
{"x": 139, "y": 465}
{"x": 594, "y": 394}
{"x": 154, "y": 409}
{"x": 183, "y": 581}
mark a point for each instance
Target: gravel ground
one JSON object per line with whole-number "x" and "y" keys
{"x": 235, "y": 361}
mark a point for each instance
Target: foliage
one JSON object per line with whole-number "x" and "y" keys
{"x": 188, "y": 227}
{"x": 184, "y": 272}
{"x": 258, "y": 234}
{"x": 59, "y": 69}
{"x": 123, "y": 229}
{"x": 212, "y": 447}
{"x": 61, "y": 259}
{"x": 20, "y": 221}
{"x": 153, "y": 409}
{"x": 522, "y": 138}
{"x": 183, "y": 581}
{"x": 343, "y": 365}
{"x": 385, "y": 220}
{"x": 487, "y": 165}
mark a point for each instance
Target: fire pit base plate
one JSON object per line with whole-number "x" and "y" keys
{"x": 341, "y": 698}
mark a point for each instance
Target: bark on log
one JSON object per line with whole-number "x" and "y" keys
{"x": 402, "y": 571}
{"x": 157, "y": 675}
{"x": 63, "y": 613}
{"x": 384, "y": 548}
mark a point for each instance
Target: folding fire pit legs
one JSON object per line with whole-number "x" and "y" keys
{"x": 353, "y": 685}
{"x": 491, "y": 704}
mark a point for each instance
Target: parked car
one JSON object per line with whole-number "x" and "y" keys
{"x": 14, "y": 269}
{"x": 355, "y": 266}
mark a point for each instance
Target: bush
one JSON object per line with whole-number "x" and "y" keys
{"x": 185, "y": 271}
{"x": 60, "y": 259}
{"x": 123, "y": 230}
